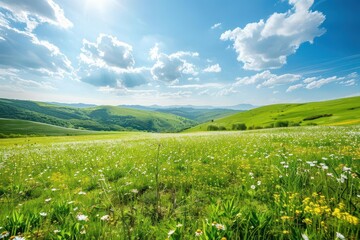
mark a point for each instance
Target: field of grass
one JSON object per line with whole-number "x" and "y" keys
{"x": 293, "y": 183}
{"x": 334, "y": 112}
{"x": 18, "y": 128}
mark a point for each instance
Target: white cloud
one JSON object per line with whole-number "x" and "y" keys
{"x": 36, "y": 12}
{"x": 267, "y": 79}
{"x": 169, "y": 68}
{"x": 322, "y": 81}
{"x": 198, "y": 86}
{"x": 318, "y": 82}
{"x": 23, "y": 50}
{"x": 107, "y": 52}
{"x": 294, "y": 87}
{"x": 213, "y": 69}
{"x": 216, "y": 25}
{"x": 109, "y": 62}
{"x": 267, "y": 44}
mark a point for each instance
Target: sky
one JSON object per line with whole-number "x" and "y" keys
{"x": 179, "y": 52}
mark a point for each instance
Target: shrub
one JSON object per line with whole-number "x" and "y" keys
{"x": 212, "y": 128}
{"x": 269, "y": 126}
{"x": 258, "y": 127}
{"x": 317, "y": 116}
{"x": 222, "y": 128}
{"x": 239, "y": 126}
{"x": 282, "y": 124}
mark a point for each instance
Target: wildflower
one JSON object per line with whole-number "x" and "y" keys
{"x": 171, "y": 232}
{"x": 346, "y": 169}
{"x": 220, "y": 227}
{"x": 83, "y": 231}
{"x": 286, "y": 232}
{"x": 134, "y": 191}
{"x": 198, "y": 233}
{"x": 56, "y": 231}
{"x": 304, "y": 236}
{"x": 71, "y": 202}
{"x": 43, "y": 214}
{"x": 223, "y": 238}
{"x": 82, "y": 193}
{"x": 16, "y": 238}
{"x": 47, "y": 200}
{"x": 105, "y": 218}
{"x": 286, "y": 166}
{"x": 4, "y": 234}
{"x": 253, "y": 186}
{"x": 340, "y": 236}
{"x": 284, "y": 218}
{"x": 179, "y": 225}
{"x": 82, "y": 217}
{"x": 258, "y": 183}
{"x": 324, "y": 167}
{"x": 308, "y": 221}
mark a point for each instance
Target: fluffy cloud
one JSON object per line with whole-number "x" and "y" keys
{"x": 107, "y": 52}
{"x": 108, "y": 62}
{"x": 169, "y": 68}
{"x": 267, "y": 79}
{"x": 23, "y": 50}
{"x": 35, "y": 12}
{"x": 267, "y": 44}
{"x": 213, "y": 69}
{"x": 317, "y": 82}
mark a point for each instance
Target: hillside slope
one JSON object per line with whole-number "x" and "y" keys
{"x": 104, "y": 118}
{"x": 15, "y": 127}
{"x": 334, "y": 112}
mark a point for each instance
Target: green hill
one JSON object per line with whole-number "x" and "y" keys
{"x": 198, "y": 115}
{"x": 15, "y": 128}
{"x": 102, "y": 118}
{"x": 334, "y": 112}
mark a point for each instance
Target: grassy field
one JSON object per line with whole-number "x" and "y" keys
{"x": 293, "y": 183}
{"x": 335, "y": 112}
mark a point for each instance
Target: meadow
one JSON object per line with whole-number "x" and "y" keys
{"x": 293, "y": 183}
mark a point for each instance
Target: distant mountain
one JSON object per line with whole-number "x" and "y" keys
{"x": 197, "y": 114}
{"x": 334, "y": 112}
{"x": 239, "y": 107}
{"x": 99, "y": 118}
{"x": 75, "y": 105}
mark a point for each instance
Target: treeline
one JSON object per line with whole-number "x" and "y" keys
{"x": 243, "y": 127}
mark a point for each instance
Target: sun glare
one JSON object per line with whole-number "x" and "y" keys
{"x": 99, "y": 6}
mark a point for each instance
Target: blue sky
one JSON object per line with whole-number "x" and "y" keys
{"x": 204, "y": 52}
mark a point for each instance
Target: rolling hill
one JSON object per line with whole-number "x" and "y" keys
{"x": 334, "y": 112}
{"x": 16, "y": 128}
{"x": 100, "y": 118}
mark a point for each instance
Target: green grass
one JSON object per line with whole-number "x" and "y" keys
{"x": 343, "y": 112}
{"x": 261, "y": 184}
{"x": 18, "y": 128}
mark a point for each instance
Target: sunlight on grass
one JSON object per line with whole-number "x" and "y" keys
{"x": 294, "y": 183}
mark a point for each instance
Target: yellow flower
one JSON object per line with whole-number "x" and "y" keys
{"x": 286, "y": 232}
{"x": 284, "y": 218}
{"x": 308, "y": 221}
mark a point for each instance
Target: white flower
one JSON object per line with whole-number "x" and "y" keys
{"x": 258, "y": 183}
{"x": 4, "y": 234}
{"x": 43, "y": 214}
{"x": 325, "y": 167}
{"x": 82, "y": 217}
{"x": 198, "y": 233}
{"x": 253, "y": 186}
{"x": 179, "y": 225}
{"x": 134, "y": 191}
{"x": 48, "y": 200}
{"x": 105, "y": 218}
{"x": 346, "y": 169}
{"x": 82, "y": 193}
{"x": 340, "y": 236}
{"x": 54, "y": 189}
{"x": 56, "y": 231}
{"x": 220, "y": 226}
{"x": 304, "y": 236}
{"x": 171, "y": 232}
{"x": 286, "y": 166}
{"x": 17, "y": 238}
